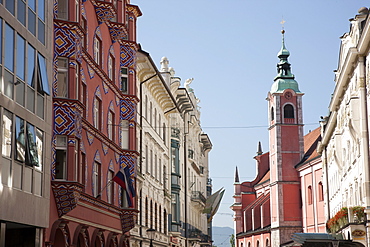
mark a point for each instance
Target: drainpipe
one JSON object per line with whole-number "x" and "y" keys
{"x": 365, "y": 139}
{"x": 186, "y": 181}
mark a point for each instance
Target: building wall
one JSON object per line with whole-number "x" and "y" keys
{"x": 25, "y": 111}
{"x": 94, "y": 136}
{"x": 345, "y": 139}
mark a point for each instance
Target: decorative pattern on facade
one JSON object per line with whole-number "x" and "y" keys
{"x": 67, "y": 39}
{"x": 90, "y": 137}
{"x": 128, "y": 218}
{"x": 104, "y": 148}
{"x": 67, "y": 118}
{"x": 66, "y": 195}
{"x": 104, "y": 11}
{"x": 91, "y": 71}
{"x": 128, "y": 53}
{"x": 117, "y": 31}
{"x": 128, "y": 109}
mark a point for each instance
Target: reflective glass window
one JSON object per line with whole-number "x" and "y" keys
{"x": 1, "y": 40}
{"x": 41, "y": 31}
{"x": 21, "y": 12}
{"x": 20, "y": 56}
{"x": 9, "y": 48}
{"x": 10, "y": 5}
{"x": 44, "y": 84}
{"x": 20, "y": 140}
{"x": 8, "y": 84}
{"x": 41, "y": 9}
{"x": 31, "y": 21}
{"x": 32, "y": 4}
{"x": 31, "y": 99}
{"x": 40, "y": 106}
{"x": 19, "y": 92}
{"x": 7, "y": 133}
{"x": 31, "y": 66}
{"x": 31, "y": 148}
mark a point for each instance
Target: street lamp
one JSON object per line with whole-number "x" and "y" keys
{"x": 150, "y": 233}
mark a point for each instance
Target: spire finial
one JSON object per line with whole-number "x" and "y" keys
{"x": 282, "y": 28}
{"x": 259, "y": 151}
{"x": 236, "y": 175}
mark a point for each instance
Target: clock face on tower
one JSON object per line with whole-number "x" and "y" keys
{"x": 288, "y": 95}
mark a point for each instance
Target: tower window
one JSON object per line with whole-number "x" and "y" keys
{"x": 288, "y": 111}
{"x": 272, "y": 114}
{"x": 309, "y": 195}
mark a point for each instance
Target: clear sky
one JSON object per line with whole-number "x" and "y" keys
{"x": 230, "y": 49}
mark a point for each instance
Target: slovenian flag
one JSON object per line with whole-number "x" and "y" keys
{"x": 124, "y": 180}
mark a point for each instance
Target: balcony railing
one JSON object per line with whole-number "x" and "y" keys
{"x": 198, "y": 196}
{"x": 175, "y": 132}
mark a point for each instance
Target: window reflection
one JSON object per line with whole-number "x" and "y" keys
{"x": 21, "y": 12}
{"x": 7, "y": 133}
{"x": 9, "y": 48}
{"x": 31, "y": 148}
{"x": 31, "y": 21}
{"x": 31, "y": 66}
{"x": 19, "y": 138}
{"x": 20, "y": 56}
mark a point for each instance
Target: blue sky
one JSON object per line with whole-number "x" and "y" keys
{"x": 230, "y": 49}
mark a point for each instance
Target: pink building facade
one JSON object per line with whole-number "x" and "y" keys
{"x": 94, "y": 135}
{"x": 276, "y": 204}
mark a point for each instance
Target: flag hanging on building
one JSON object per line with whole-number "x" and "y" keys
{"x": 124, "y": 180}
{"x": 213, "y": 202}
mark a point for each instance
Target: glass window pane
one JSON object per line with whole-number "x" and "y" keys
{"x": 63, "y": 9}
{"x": 31, "y": 66}
{"x": 1, "y": 40}
{"x": 43, "y": 75}
{"x": 31, "y": 99}
{"x": 40, "y": 106}
{"x": 8, "y": 84}
{"x": 21, "y": 12}
{"x": 7, "y": 133}
{"x": 41, "y": 9}
{"x": 20, "y": 56}
{"x": 9, "y": 48}
{"x": 32, "y": 21}
{"x": 19, "y": 92}
{"x": 31, "y": 148}
{"x": 41, "y": 31}
{"x": 9, "y": 4}
{"x": 20, "y": 142}
{"x": 32, "y": 4}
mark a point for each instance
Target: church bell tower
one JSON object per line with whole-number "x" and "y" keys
{"x": 286, "y": 150}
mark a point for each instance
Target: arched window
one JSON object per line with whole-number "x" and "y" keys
{"x": 309, "y": 195}
{"x": 272, "y": 114}
{"x": 258, "y": 243}
{"x": 151, "y": 214}
{"x": 288, "y": 111}
{"x": 320, "y": 191}
{"x": 249, "y": 244}
{"x": 160, "y": 218}
{"x": 146, "y": 212}
{"x": 267, "y": 242}
{"x": 164, "y": 221}
{"x": 155, "y": 216}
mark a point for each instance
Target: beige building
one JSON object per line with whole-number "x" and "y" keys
{"x": 173, "y": 174}
{"x": 345, "y": 140}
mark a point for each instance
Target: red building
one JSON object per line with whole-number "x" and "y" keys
{"x": 268, "y": 210}
{"x": 94, "y": 104}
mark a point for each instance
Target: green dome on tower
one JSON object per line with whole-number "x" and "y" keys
{"x": 285, "y": 78}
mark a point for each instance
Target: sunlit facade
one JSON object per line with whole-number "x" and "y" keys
{"x": 26, "y": 114}
{"x": 94, "y": 111}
